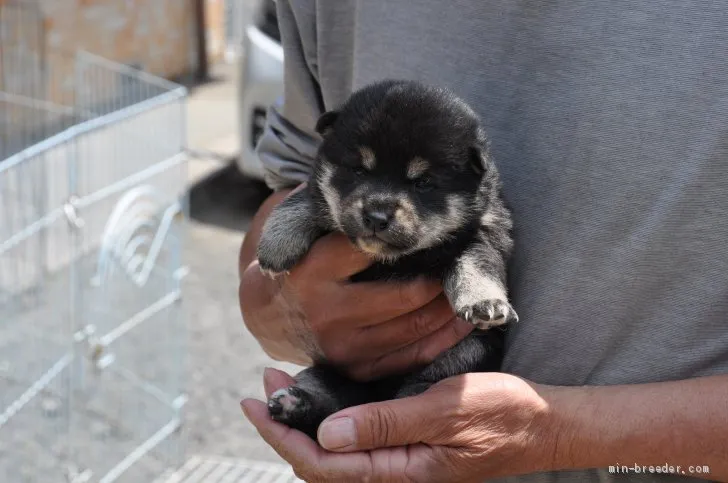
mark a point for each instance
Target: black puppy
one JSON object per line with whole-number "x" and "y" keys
{"x": 403, "y": 170}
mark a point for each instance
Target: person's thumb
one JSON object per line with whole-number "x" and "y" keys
{"x": 377, "y": 425}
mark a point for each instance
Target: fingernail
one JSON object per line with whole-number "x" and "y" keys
{"x": 463, "y": 328}
{"x": 337, "y": 433}
{"x": 245, "y": 411}
{"x": 267, "y": 373}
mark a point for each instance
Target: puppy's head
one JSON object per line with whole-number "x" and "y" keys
{"x": 400, "y": 167}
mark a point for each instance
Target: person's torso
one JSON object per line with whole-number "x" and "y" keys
{"x": 608, "y": 123}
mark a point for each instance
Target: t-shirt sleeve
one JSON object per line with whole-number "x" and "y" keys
{"x": 289, "y": 142}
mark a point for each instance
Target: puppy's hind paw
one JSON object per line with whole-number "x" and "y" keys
{"x": 488, "y": 313}
{"x": 292, "y": 406}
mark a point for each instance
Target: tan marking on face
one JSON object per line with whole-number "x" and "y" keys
{"x": 440, "y": 226}
{"x": 367, "y": 158}
{"x": 406, "y": 214}
{"x": 372, "y": 246}
{"x": 376, "y": 249}
{"x": 330, "y": 194}
{"x": 417, "y": 167}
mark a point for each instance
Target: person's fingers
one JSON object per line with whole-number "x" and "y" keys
{"x": 255, "y": 289}
{"x": 406, "y": 329}
{"x": 297, "y": 189}
{"x": 417, "y": 354}
{"x": 276, "y": 434}
{"x": 361, "y": 342}
{"x": 273, "y": 379}
{"x": 372, "y": 303}
{"x": 332, "y": 257}
{"x": 398, "y": 422}
{"x": 308, "y": 460}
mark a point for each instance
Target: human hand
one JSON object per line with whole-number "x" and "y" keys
{"x": 466, "y": 428}
{"x": 367, "y": 329}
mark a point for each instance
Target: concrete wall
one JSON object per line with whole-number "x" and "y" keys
{"x": 158, "y": 36}
{"x": 38, "y": 42}
{"x": 215, "y": 30}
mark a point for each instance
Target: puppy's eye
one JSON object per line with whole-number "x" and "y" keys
{"x": 359, "y": 171}
{"x": 423, "y": 184}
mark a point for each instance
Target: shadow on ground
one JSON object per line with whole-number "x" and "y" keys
{"x": 227, "y": 199}
{"x": 192, "y": 82}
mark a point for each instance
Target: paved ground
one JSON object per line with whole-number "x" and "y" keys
{"x": 226, "y": 363}
{"x": 212, "y": 112}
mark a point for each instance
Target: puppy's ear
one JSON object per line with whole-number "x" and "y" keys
{"x": 479, "y": 153}
{"x": 479, "y": 158}
{"x": 324, "y": 123}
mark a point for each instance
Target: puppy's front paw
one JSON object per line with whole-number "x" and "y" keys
{"x": 488, "y": 313}
{"x": 277, "y": 255}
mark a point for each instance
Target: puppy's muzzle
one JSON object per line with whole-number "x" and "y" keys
{"x": 377, "y": 220}
{"x": 378, "y": 217}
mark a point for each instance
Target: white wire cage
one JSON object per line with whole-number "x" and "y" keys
{"x": 92, "y": 337}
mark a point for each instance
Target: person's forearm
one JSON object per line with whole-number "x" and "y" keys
{"x": 250, "y": 242}
{"x": 641, "y": 427}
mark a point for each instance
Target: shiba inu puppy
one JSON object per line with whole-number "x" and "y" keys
{"x": 403, "y": 171}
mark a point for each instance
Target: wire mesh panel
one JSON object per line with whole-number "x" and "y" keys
{"x": 92, "y": 337}
{"x": 35, "y": 335}
{"x": 35, "y": 325}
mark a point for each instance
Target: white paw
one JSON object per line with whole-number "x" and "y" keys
{"x": 488, "y": 313}
{"x": 284, "y": 403}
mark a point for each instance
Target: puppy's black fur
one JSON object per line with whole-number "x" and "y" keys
{"x": 403, "y": 170}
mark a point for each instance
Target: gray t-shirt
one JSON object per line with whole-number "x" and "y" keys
{"x": 609, "y": 124}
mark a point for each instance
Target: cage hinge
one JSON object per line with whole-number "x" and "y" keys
{"x": 97, "y": 351}
{"x": 71, "y": 212}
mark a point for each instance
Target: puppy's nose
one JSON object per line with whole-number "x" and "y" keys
{"x": 377, "y": 220}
